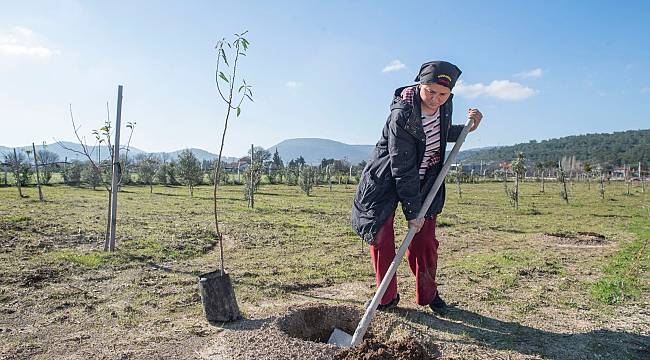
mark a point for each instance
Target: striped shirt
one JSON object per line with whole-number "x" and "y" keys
{"x": 431, "y": 127}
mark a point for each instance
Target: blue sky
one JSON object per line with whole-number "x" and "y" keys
{"x": 327, "y": 69}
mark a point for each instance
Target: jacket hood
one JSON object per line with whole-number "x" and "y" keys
{"x": 398, "y": 102}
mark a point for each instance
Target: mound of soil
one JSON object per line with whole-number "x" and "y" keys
{"x": 405, "y": 349}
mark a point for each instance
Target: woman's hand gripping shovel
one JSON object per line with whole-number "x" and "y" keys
{"x": 341, "y": 338}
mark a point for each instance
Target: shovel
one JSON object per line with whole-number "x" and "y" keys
{"x": 342, "y": 339}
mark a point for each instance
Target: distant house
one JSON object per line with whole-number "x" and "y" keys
{"x": 618, "y": 173}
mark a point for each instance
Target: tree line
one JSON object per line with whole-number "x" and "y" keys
{"x": 186, "y": 170}
{"x": 607, "y": 150}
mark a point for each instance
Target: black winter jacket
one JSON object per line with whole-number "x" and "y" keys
{"x": 392, "y": 172}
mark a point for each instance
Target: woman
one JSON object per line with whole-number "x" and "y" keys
{"x": 403, "y": 168}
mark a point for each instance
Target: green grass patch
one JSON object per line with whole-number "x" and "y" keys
{"x": 18, "y": 218}
{"x": 91, "y": 260}
{"x": 626, "y": 272}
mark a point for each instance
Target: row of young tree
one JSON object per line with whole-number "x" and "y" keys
{"x": 519, "y": 169}
{"x": 187, "y": 170}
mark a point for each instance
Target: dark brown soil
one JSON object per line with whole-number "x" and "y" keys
{"x": 303, "y": 331}
{"x": 316, "y": 322}
{"x": 586, "y": 238}
{"x": 372, "y": 349}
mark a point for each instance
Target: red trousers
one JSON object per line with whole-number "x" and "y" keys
{"x": 422, "y": 256}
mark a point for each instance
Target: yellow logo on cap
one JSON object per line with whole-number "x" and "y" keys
{"x": 445, "y": 76}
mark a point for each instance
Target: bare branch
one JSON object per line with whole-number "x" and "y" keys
{"x": 84, "y": 147}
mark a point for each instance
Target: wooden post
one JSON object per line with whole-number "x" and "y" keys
{"x": 251, "y": 202}
{"x": 641, "y": 179}
{"x": 38, "y": 178}
{"x": 626, "y": 178}
{"x": 17, "y": 172}
{"x": 349, "y": 177}
{"x": 116, "y": 170}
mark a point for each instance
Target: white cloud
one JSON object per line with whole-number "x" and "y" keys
{"x": 20, "y": 41}
{"x": 499, "y": 89}
{"x": 394, "y": 65}
{"x": 530, "y": 74}
{"x": 293, "y": 84}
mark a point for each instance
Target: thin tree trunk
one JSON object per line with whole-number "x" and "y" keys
{"x": 516, "y": 191}
{"x": 251, "y": 201}
{"x": 38, "y": 178}
{"x": 17, "y": 172}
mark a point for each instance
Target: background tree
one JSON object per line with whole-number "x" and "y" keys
{"x": 147, "y": 168}
{"x": 292, "y": 171}
{"x": 172, "y": 173}
{"x": 601, "y": 175}
{"x": 561, "y": 178}
{"x": 48, "y": 160}
{"x": 458, "y": 177}
{"x": 307, "y": 179}
{"x": 586, "y": 168}
{"x": 223, "y": 175}
{"x": 72, "y": 173}
{"x": 17, "y": 162}
{"x": 519, "y": 170}
{"x": 340, "y": 169}
{"x": 189, "y": 170}
{"x": 254, "y": 170}
{"x": 540, "y": 167}
{"x": 161, "y": 174}
{"x": 127, "y": 166}
{"x": 261, "y": 155}
{"x": 90, "y": 176}
{"x": 25, "y": 171}
{"x": 277, "y": 169}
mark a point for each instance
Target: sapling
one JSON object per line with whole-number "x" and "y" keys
{"x": 519, "y": 170}
{"x": 307, "y": 179}
{"x": 561, "y": 177}
{"x": 233, "y": 100}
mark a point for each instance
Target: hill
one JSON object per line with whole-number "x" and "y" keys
{"x": 96, "y": 151}
{"x": 71, "y": 155}
{"x": 315, "y": 149}
{"x": 618, "y": 148}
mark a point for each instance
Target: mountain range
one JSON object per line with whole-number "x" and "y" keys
{"x": 616, "y": 148}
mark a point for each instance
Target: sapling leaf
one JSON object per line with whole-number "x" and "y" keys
{"x": 221, "y": 75}
{"x": 238, "y": 111}
{"x": 223, "y": 56}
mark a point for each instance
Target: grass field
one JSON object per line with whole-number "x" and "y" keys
{"x": 549, "y": 280}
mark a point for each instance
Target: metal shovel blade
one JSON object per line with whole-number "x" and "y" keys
{"x": 340, "y": 338}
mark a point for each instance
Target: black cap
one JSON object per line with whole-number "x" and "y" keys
{"x": 439, "y": 72}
